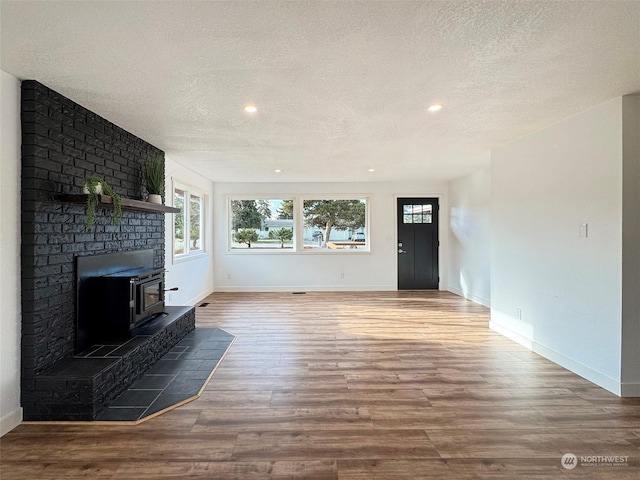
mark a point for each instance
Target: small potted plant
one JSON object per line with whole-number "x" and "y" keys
{"x": 154, "y": 179}
{"x": 93, "y": 188}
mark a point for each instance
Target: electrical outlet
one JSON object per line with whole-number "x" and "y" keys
{"x": 342, "y": 275}
{"x": 228, "y": 276}
{"x": 519, "y": 313}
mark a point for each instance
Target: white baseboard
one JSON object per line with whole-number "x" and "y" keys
{"x": 195, "y": 300}
{"x": 578, "y": 368}
{"x": 200, "y": 297}
{"x": 630, "y": 389}
{"x": 474, "y": 298}
{"x": 10, "y": 421}
{"x": 305, "y": 288}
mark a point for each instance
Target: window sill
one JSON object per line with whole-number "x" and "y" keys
{"x": 306, "y": 251}
{"x": 189, "y": 258}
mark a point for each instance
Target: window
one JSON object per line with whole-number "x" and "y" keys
{"x": 188, "y": 225}
{"x": 261, "y": 224}
{"x": 298, "y": 224}
{"x": 332, "y": 224}
{"x": 417, "y": 213}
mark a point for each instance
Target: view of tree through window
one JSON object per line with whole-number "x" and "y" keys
{"x": 195, "y": 222}
{"x": 188, "y": 225}
{"x": 285, "y": 210}
{"x": 262, "y": 224}
{"x": 326, "y": 224}
{"x": 178, "y": 223}
{"x": 335, "y": 224}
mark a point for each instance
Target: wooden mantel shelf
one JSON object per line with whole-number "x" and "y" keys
{"x": 127, "y": 203}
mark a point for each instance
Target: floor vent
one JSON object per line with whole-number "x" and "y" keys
{"x": 298, "y": 293}
{"x": 204, "y": 304}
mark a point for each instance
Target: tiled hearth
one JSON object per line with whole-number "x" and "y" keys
{"x": 179, "y": 376}
{"x": 82, "y": 387}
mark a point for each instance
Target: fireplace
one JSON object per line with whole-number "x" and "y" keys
{"x": 116, "y": 293}
{"x": 62, "y": 261}
{"x": 132, "y": 297}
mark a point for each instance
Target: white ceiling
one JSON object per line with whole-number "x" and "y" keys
{"x": 341, "y": 87}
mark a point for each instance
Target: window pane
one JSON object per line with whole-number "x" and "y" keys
{"x": 335, "y": 224}
{"x": 178, "y": 222}
{"x": 195, "y": 223}
{"x": 426, "y": 213}
{"x": 262, "y": 224}
{"x": 417, "y": 213}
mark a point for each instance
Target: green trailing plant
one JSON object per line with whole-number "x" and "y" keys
{"x": 96, "y": 186}
{"x": 154, "y": 175}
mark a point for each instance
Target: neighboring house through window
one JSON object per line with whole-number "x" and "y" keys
{"x": 309, "y": 224}
{"x": 261, "y": 224}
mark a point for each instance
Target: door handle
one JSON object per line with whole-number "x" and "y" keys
{"x": 401, "y": 251}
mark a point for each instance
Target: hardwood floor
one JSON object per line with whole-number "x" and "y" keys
{"x": 394, "y": 385}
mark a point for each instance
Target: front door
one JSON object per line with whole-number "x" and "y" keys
{"x": 417, "y": 243}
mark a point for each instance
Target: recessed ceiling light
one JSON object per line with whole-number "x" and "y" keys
{"x": 435, "y": 107}
{"x": 371, "y": 170}
{"x": 250, "y": 108}
{"x": 277, "y": 170}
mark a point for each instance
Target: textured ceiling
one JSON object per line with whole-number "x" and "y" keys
{"x": 341, "y": 87}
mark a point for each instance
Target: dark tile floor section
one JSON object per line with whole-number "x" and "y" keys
{"x": 176, "y": 377}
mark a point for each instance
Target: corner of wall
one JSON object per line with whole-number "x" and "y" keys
{"x": 10, "y": 319}
{"x": 469, "y": 240}
{"x": 630, "y": 361}
{"x": 10, "y": 421}
{"x": 485, "y": 302}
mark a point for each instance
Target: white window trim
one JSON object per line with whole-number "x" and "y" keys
{"x": 298, "y": 222}
{"x": 262, "y": 251}
{"x": 189, "y": 190}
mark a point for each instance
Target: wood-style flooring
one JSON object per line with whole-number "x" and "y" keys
{"x": 393, "y": 385}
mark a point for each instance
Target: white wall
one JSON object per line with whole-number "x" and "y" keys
{"x": 10, "y": 311}
{"x": 193, "y": 276}
{"x": 567, "y": 288}
{"x": 631, "y": 247}
{"x": 321, "y": 271}
{"x": 470, "y": 236}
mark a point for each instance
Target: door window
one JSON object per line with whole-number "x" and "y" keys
{"x": 422, "y": 213}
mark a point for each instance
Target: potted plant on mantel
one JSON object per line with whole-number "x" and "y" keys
{"x": 93, "y": 188}
{"x": 154, "y": 179}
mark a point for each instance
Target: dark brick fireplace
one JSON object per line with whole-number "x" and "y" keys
{"x": 62, "y": 144}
